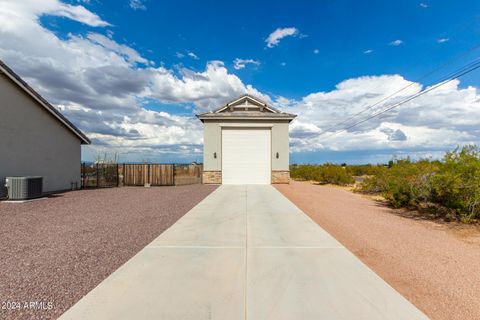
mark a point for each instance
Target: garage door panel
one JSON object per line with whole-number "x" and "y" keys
{"x": 246, "y": 156}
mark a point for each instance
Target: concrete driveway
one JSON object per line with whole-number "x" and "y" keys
{"x": 244, "y": 252}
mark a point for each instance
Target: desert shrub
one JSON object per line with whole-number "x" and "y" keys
{"x": 334, "y": 174}
{"x": 452, "y": 183}
{"x": 376, "y": 182}
{"x": 302, "y": 172}
{"x": 362, "y": 169}
{"x": 457, "y": 183}
{"x": 410, "y": 182}
{"x": 449, "y": 185}
{"x": 325, "y": 173}
{"x": 403, "y": 183}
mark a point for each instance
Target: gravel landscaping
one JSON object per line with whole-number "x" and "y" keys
{"x": 433, "y": 264}
{"x": 55, "y": 250}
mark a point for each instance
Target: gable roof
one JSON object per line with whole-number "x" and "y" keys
{"x": 246, "y": 107}
{"x": 44, "y": 103}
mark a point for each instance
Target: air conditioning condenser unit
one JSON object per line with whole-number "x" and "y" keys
{"x": 24, "y": 188}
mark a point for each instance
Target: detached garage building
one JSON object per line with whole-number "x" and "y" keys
{"x": 246, "y": 142}
{"x": 35, "y": 138}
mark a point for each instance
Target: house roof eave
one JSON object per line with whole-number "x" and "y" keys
{"x": 203, "y": 117}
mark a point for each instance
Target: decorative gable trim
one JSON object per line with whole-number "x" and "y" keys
{"x": 255, "y": 103}
{"x": 246, "y": 108}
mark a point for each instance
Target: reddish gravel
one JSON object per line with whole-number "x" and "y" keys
{"x": 434, "y": 265}
{"x": 56, "y": 250}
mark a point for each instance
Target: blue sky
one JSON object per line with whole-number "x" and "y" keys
{"x": 132, "y": 74}
{"x": 341, "y": 31}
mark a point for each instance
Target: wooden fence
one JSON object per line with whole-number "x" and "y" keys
{"x": 188, "y": 174}
{"x": 116, "y": 175}
{"x": 148, "y": 174}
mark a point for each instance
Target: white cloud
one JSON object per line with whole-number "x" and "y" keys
{"x": 438, "y": 120}
{"x": 396, "y": 42}
{"x": 192, "y": 55}
{"x": 283, "y": 64}
{"x": 368, "y": 51}
{"x": 274, "y": 38}
{"x": 423, "y": 5}
{"x": 241, "y": 63}
{"x": 442, "y": 40}
{"x": 207, "y": 89}
{"x": 188, "y": 53}
{"x": 96, "y": 82}
{"x": 137, "y": 5}
{"x": 131, "y": 55}
{"x": 316, "y": 51}
{"x": 32, "y": 9}
{"x": 79, "y": 13}
{"x": 99, "y": 85}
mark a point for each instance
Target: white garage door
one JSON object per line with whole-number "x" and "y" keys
{"x": 246, "y": 156}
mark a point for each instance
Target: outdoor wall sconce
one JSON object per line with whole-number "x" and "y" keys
{"x": 214, "y": 155}
{"x": 277, "y": 155}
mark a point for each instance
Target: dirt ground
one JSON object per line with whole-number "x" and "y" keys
{"x": 55, "y": 250}
{"x": 435, "y": 265}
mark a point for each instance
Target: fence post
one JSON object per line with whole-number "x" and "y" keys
{"x": 118, "y": 177}
{"x": 149, "y": 181}
{"x": 124, "y": 173}
{"x": 174, "y": 173}
{"x": 97, "y": 174}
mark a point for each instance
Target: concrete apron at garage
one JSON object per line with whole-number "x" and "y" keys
{"x": 244, "y": 252}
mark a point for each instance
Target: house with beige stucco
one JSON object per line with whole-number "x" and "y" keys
{"x": 246, "y": 141}
{"x": 35, "y": 138}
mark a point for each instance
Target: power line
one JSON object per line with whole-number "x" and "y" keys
{"x": 461, "y": 72}
{"x": 403, "y": 88}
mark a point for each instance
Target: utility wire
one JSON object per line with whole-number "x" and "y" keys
{"x": 402, "y": 89}
{"x": 461, "y": 72}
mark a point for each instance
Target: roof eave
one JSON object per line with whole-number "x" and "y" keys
{"x": 85, "y": 141}
{"x": 213, "y": 117}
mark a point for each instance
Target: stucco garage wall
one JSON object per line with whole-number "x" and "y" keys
{"x": 33, "y": 142}
{"x": 213, "y": 142}
{"x": 280, "y": 144}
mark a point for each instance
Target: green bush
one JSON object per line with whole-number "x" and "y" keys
{"x": 404, "y": 183}
{"x": 449, "y": 185}
{"x": 326, "y": 173}
{"x": 377, "y": 182}
{"x": 302, "y": 172}
{"x": 452, "y": 183}
{"x": 363, "y": 169}
{"x": 334, "y": 174}
{"x": 457, "y": 184}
